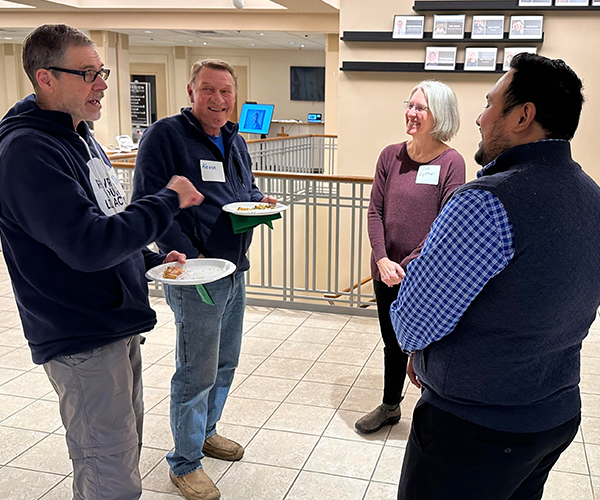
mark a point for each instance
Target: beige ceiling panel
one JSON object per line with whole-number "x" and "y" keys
{"x": 173, "y": 20}
{"x": 310, "y": 6}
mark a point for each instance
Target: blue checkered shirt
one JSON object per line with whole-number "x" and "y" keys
{"x": 470, "y": 242}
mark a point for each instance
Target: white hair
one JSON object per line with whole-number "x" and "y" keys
{"x": 443, "y": 106}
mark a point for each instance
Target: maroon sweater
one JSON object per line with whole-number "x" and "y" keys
{"x": 402, "y": 211}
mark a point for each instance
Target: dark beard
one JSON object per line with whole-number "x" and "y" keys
{"x": 480, "y": 157}
{"x": 496, "y": 145}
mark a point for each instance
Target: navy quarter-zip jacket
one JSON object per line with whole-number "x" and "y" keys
{"x": 175, "y": 146}
{"x": 77, "y": 273}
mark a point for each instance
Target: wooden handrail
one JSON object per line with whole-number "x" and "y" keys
{"x": 121, "y": 156}
{"x": 364, "y": 281}
{"x": 123, "y": 164}
{"x": 270, "y": 139}
{"x": 281, "y": 175}
{"x": 363, "y": 179}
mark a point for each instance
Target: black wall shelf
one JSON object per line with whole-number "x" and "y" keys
{"x": 405, "y": 67}
{"x": 386, "y": 36}
{"x": 498, "y": 5}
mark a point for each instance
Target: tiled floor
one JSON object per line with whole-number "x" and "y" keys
{"x": 303, "y": 380}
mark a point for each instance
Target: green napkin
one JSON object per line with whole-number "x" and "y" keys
{"x": 243, "y": 223}
{"x": 204, "y": 295}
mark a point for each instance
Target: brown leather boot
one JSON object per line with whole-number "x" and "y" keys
{"x": 195, "y": 485}
{"x": 222, "y": 448}
{"x": 376, "y": 419}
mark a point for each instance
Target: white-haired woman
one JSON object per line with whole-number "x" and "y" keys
{"x": 412, "y": 182}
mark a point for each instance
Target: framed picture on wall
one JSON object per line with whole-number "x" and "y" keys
{"x": 526, "y": 27}
{"x": 408, "y": 26}
{"x": 534, "y": 3}
{"x": 487, "y": 27}
{"x": 440, "y": 58}
{"x": 571, "y": 2}
{"x": 449, "y": 27}
{"x": 510, "y": 52}
{"x": 480, "y": 58}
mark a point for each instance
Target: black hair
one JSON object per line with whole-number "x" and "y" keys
{"x": 554, "y": 89}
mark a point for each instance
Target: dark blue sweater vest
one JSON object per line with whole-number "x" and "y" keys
{"x": 512, "y": 363}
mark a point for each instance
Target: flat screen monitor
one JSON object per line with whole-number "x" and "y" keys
{"x": 256, "y": 118}
{"x": 307, "y": 83}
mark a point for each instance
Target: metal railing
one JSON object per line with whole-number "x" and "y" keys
{"x": 309, "y": 154}
{"x": 317, "y": 256}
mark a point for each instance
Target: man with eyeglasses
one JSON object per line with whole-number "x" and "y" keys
{"x": 76, "y": 254}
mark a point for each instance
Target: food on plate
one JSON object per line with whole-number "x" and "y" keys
{"x": 258, "y": 207}
{"x": 172, "y": 272}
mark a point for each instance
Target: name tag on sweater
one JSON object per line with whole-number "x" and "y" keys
{"x": 212, "y": 171}
{"x": 428, "y": 174}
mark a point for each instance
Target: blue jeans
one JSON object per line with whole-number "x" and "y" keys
{"x": 207, "y": 351}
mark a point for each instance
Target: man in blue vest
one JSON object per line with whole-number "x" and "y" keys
{"x": 496, "y": 307}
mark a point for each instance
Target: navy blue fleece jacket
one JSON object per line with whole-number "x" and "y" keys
{"x": 175, "y": 146}
{"x": 77, "y": 274}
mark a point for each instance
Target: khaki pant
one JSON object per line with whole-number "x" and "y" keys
{"x": 101, "y": 406}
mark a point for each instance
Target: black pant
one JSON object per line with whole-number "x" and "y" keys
{"x": 395, "y": 361}
{"x": 448, "y": 458}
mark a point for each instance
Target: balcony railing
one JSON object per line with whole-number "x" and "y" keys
{"x": 317, "y": 256}
{"x": 309, "y": 154}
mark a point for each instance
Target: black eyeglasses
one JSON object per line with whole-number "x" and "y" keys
{"x": 89, "y": 76}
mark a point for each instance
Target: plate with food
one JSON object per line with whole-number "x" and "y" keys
{"x": 193, "y": 272}
{"x": 254, "y": 208}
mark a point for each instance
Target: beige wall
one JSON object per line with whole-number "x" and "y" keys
{"x": 14, "y": 84}
{"x": 370, "y": 104}
{"x": 332, "y": 55}
{"x": 266, "y": 78}
{"x": 267, "y": 75}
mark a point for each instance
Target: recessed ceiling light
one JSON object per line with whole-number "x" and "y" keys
{"x": 204, "y": 43}
{"x": 301, "y": 45}
{"x": 261, "y": 34}
{"x": 146, "y": 31}
{"x": 252, "y": 44}
{"x": 190, "y": 40}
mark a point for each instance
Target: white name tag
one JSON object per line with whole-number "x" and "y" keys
{"x": 428, "y": 174}
{"x": 212, "y": 171}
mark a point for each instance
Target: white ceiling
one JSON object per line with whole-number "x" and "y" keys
{"x": 205, "y": 38}
{"x": 142, "y": 4}
{"x": 229, "y": 39}
{"x": 305, "y": 6}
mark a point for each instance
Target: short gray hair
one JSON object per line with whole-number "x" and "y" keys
{"x": 212, "y": 64}
{"x": 46, "y": 46}
{"x": 443, "y": 106}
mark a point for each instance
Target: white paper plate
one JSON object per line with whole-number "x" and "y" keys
{"x": 196, "y": 272}
{"x": 232, "y": 208}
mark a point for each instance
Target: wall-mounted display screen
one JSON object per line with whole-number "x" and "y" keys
{"x": 307, "y": 83}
